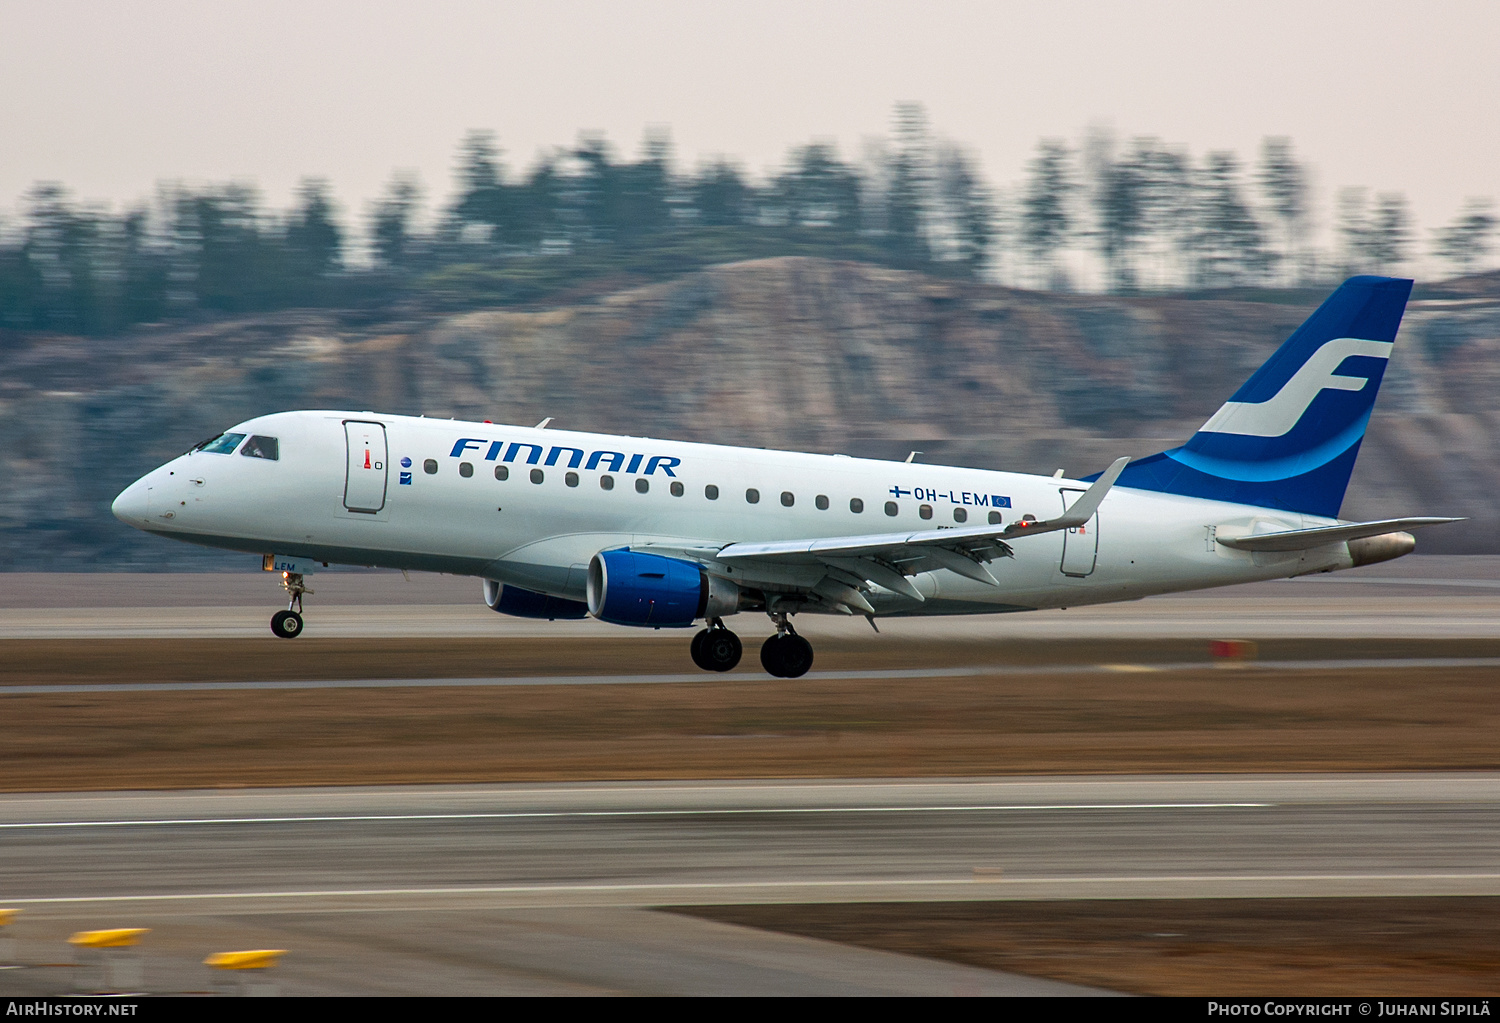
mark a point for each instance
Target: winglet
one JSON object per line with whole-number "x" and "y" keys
{"x": 1083, "y": 509}
{"x": 1079, "y": 514}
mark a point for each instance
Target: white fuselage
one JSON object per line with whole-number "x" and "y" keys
{"x": 541, "y": 535}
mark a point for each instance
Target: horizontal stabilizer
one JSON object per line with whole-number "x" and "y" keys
{"x": 1304, "y": 539}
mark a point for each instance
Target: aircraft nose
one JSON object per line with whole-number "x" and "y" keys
{"x": 131, "y": 506}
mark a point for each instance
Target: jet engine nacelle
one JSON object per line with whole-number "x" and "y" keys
{"x": 628, "y": 587}
{"x": 512, "y": 600}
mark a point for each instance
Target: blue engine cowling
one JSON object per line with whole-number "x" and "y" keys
{"x": 512, "y": 600}
{"x": 627, "y": 587}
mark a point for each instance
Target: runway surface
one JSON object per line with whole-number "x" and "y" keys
{"x": 1416, "y": 597}
{"x": 672, "y": 844}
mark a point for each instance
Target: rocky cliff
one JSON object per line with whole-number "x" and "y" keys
{"x": 795, "y": 353}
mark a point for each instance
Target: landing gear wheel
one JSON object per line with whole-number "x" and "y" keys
{"x": 716, "y": 649}
{"x": 286, "y": 624}
{"x": 786, "y": 655}
{"x": 721, "y": 650}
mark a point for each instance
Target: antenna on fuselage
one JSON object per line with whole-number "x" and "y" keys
{"x": 913, "y": 456}
{"x": 543, "y": 424}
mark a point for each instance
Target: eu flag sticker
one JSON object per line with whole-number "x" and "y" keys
{"x": 996, "y": 501}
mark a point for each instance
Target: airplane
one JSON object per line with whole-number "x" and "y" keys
{"x": 667, "y": 534}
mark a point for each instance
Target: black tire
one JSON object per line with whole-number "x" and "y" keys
{"x": 796, "y": 656}
{"x": 696, "y": 650}
{"x": 721, "y": 650}
{"x": 772, "y": 656}
{"x": 286, "y": 624}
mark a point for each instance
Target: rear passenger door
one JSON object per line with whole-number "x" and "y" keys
{"x": 1080, "y": 544}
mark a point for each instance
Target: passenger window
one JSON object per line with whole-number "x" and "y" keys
{"x": 261, "y": 447}
{"x": 606, "y": 482}
{"x": 890, "y": 508}
{"x": 925, "y": 511}
{"x": 787, "y": 499}
{"x": 571, "y": 479}
{"x": 960, "y": 515}
{"x": 223, "y": 444}
{"x": 430, "y": 466}
{"x": 677, "y": 489}
{"x": 711, "y": 492}
{"x": 537, "y": 475}
{"x": 642, "y": 484}
{"x": 752, "y": 496}
{"x": 856, "y": 505}
{"x": 502, "y": 472}
{"x": 465, "y": 469}
{"x": 821, "y": 501}
{"x": 994, "y": 518}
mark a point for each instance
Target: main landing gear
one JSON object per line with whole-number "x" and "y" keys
{"x": 716, "y": 648}
{"x": 288, "y": 624}
{"x": 786, "y": 654}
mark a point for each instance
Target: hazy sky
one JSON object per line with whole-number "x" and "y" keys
{"x": 110, "y": 98}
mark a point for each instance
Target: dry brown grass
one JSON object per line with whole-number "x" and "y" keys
{"x": 1361, "y": 948}
{"x": 742, "y": 725}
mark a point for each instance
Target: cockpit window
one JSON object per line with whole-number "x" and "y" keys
{"x": 261, "y": 447}
{"x": 223, "y": 444}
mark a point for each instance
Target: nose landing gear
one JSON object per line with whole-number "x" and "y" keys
{"x": 716, "y": 648}
{"x": 288, "y": 624}
{"x": 786, "y": 654}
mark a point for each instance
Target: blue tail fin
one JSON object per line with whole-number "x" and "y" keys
{"x": 1288, "y": 438}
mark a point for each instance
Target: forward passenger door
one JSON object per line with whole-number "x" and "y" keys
{"x": 365, "y": 480}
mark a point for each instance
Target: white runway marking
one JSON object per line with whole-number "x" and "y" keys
{"x": 668, "y": 890}
{"x": 555, "y": 814}
{"x": 970, "y": 671}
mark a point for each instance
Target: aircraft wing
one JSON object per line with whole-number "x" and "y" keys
{"x": 1303, "y": 539}
{"x": 887, "y": 559}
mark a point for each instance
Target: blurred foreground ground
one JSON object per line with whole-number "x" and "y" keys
{"x": 1393, "y": 668}
{"x": 1187, "y": 947}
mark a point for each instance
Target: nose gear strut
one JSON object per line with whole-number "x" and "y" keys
{"x": 288, "y": 624}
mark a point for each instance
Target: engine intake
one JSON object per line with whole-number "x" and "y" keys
{"x": 519, "y": 603}
{"x": 628, "y": 587}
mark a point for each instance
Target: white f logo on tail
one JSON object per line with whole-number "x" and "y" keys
{"x": 1276, "y": 416}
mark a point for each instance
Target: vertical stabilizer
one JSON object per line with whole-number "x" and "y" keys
{"x": 1289, "y": 437}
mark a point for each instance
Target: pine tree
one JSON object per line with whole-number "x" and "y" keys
{"x": 1353, "y": 227}
{"x": 721, "y": 197}
{"x": 968, "y": 211}
{"x": 1229, "y": 243}
{"x": 1046, "y": 206}
{"x": 1389, "y": 237}
{"x": 391, "y": 223}
{"x": 313, "y": 239}
{"x": 1466, "y": 242}
{"x": 1120, "y": 207}
{"x": 1283, "y": 181}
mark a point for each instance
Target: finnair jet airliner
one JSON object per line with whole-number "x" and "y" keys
{"x": 665, "y": 534}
